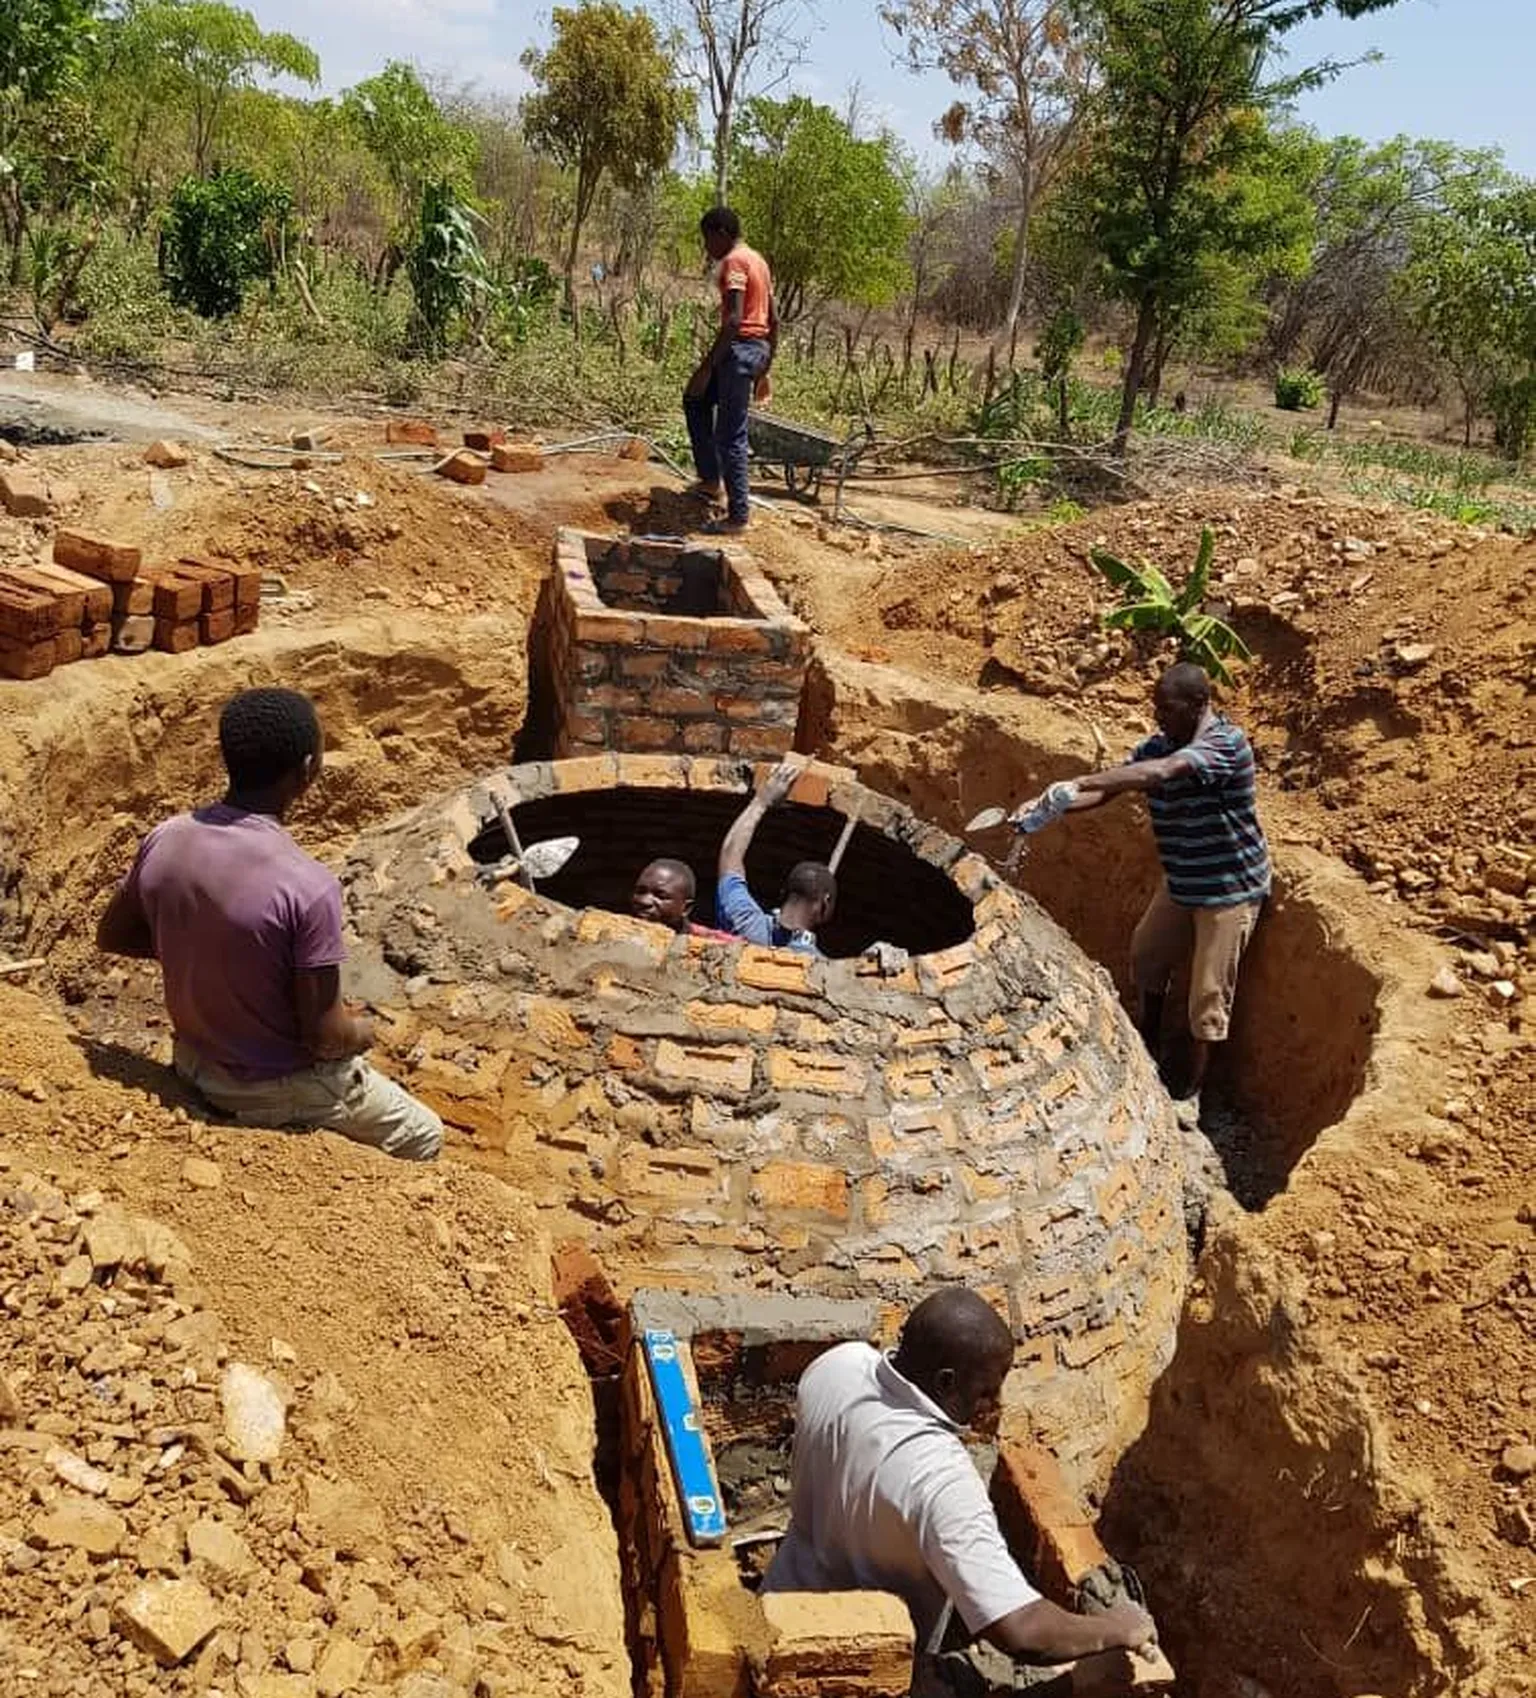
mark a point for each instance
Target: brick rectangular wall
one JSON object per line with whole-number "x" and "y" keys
{"x": 633, "y": 668}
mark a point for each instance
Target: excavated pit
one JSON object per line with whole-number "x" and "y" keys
{"x": 108, "y": 755}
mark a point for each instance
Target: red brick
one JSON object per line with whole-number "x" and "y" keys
{"x": 246, "y": 620}
{"x": 645, "y": 665}
{"x": 27, "y": 660}
{"x": 484, "y": 439}
{"x": 632, "y": 731}
{"x": 416, "y": 432}
{"x": 247, "y": 587}
{"x": 218, "y": 582}
{"x": 68, "y": 646}
{"x": 707, "y": 1619}
{"x": 804, "y": 1186}
{"x": 177, "y": 636}
{"x": 774, "y": 969}
{"x": 739, "y": 637}
{"x": 999, "y": 1068}
{"x": 732, "y": 1017}
{"x": 712, "y": 1067}
{"x": 704, "y": 736}
{"x": 597, "y": 925}
{"x": 677, "y": 701}
{"x": 95, "y": 640}
{"x": 217, "y": 627}
{"x": 96, "y": 556}
{"x": 133, "y": 635}
{"x": 608, "y": 628}
{"x": 590, "y": 772}
{"x": 924, "y": 1078}
{"x": 947, "y": 968}
{"x": 24, "y": 494}
{"x": 810, "y": 1070}
{"x": 97, "y": 595}
{"x": 1045, "y": 1526}
{"x": 758, "y": 741}
{"x": 650, "y": 772}
{"x": 461, "y": 467}
{"x": 587, "y": 728}
{"x": 177, "y": 597}
{"x": 517, "y": 457}
{"x": 27, "y": 616}
{"x": 1116, "y": 1193}
{"x": 835, "y": 1645}
{"x": 664, "y": 632}
{"x": 133, "y": 599}
{"x": 613, "y": 698}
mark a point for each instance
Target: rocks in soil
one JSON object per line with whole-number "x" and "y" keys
{"x": 81, "y": 1525}
{"x": 1519, "y": 1461}
{"x": 255, "y": 1415}
{"x": 201, "y": 1174}
{"x": 1445, "y": 985}
{"x": 168, "y": 1619}
{"x": 167, "y": 456}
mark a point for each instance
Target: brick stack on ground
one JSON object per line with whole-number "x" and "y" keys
{"x": 733, "y": 1116}
{"x": 96, "y": 596}
{"x": 644, "y": 646}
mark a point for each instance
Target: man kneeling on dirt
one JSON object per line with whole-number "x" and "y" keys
{"x": 810, "y": 891}
{"x": 1197, "y": 774}
{"x": 665, "y": 893}
{"x": 247, "y": 931}
{"x": 885, "y": 1497}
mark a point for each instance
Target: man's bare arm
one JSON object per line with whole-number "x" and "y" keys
{"x": 1044, "y": 1629}
{"x": 730, "y": 328}
{"x": 328, "y": 1029}
{"x": 124, "y": 929}
{"x": 738, "y": 840}
{"x": 1134, "y": 775}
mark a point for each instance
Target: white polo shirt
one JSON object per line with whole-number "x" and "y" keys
{"x": 886, "y": 1498}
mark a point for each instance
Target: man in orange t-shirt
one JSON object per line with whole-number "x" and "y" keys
{"x": 720, "y": 392}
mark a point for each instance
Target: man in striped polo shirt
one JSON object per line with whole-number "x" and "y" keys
{"x": 1197, "y": 774}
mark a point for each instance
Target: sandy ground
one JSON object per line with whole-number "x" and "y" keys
{"x": 1400, "y": 1249}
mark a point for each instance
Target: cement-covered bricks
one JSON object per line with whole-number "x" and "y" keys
{"x": 734, "y": 1119}
{"x": 645, "y": 645}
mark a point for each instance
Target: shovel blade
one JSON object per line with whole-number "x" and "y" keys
{"x": 544, "y": 860}
{"x": 988, "y": 819}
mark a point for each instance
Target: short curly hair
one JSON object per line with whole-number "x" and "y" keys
{"x": 264, "y": 735}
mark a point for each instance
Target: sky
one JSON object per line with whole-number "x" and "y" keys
{"x": 1455, "y": 70}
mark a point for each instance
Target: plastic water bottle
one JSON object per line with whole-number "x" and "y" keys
{"x": 1047, "y": 809}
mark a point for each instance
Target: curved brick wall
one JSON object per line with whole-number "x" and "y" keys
{"x": 733, "y": 1117}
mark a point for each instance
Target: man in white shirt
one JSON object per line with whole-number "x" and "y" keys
{"x": 885, "y": 1496}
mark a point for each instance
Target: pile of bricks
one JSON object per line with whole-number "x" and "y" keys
{"x": 734, "y": 1115}
{"x": 645, "y": 646}
{"x": 95, "y": 597}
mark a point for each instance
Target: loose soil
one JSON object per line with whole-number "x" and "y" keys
{"x": 1331, "y": 1495}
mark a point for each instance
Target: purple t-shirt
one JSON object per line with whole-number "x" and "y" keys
{"x": 236, "y": 908}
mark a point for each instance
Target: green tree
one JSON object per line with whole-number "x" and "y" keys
{"x": 1471, "y": 283}
{"x": 195, "y": 54}
{"x": 608, "y": 106}
{"x": 446, "y": 266}
{"x": 221, "y": 234}
{"x": 1180, "y": 126}
{"x": 406, "y": 130}
{"x": 828, "y": 210}
{"x": 1029, "y": 71}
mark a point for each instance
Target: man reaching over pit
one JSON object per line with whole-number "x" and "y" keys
{"x": 720, "y": 393}
{"x": 1197, "y": 773}
{"x": 810, "y": 891}
{"x": 665, "y": 893}
{"x": 248, "y": 933}
{"x": 884, "y": 1496}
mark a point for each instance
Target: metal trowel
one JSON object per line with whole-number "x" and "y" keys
{"x": 988, "y": 820}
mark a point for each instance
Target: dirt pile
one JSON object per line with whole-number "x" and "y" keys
{"x": 420, "y": 1520}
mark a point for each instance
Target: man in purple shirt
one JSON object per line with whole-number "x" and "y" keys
{"x": 247, "y": 931}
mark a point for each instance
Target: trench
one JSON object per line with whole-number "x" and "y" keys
{"x": 1217, "y": 1503}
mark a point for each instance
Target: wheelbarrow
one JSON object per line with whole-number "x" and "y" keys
{"x": 803, "y": 455}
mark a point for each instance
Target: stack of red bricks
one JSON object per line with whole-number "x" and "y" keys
{"x": 651, "y": 646}
{"x": 96, "y": 596}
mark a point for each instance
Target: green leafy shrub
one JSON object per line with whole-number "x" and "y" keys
{"x": 219, "y": 235}
{"x": 446, "y": 266}
{"x": 1149, "y": 602}
{"x": 1298, "y": 391}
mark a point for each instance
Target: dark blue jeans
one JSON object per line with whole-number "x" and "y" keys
{"x": 717, "y": 423}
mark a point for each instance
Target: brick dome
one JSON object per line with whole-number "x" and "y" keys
{"x": 729, "y": 1117}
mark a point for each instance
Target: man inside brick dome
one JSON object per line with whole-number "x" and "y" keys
{"x": 248, "y": 933}
{"x": 665, "y": 893}
{"x": 885, "y": 1497}
{"x": 810, "y": 891}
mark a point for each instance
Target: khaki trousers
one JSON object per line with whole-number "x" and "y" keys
{"x": 348, "y": 1097}
{"x": 1212, "y": 940}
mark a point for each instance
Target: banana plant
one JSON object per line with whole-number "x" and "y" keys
{"x": 1149, "y": 602}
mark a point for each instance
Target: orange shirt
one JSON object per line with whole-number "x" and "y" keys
{"x": 745, "y": 271}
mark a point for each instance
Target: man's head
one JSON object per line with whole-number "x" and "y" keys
{"x": 810, "y": 895}
{"x": 664, "y": 894}
{"x": 958, "y": 1349}
{"x": 272, "y": 747}
{"x": 1182, "y": 695}
{"x": 721, "y": 230}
